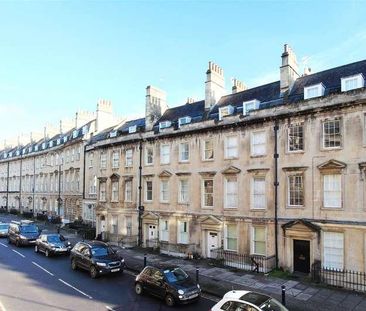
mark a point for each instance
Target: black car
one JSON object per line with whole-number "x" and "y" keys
{"x": 172, "y": 284}
{"x": 52, "y": 244}
{"x": 96, "y": 257}
{"x": 24, "y": 232}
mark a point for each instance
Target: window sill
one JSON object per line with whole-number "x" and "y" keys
{"x": 207, "y": 207}
{"x": 208, "y": 160}
{"x": 149, "y": 164}
{"x": 184, "y": 162}
{"x": 258, "y": 209}
{"x": 165, "y": 163}
{"x": 230, "y": 208}
{"x": 231, "y": 158}
{"x": 164, "y": 202}
{"x": 183, "y": 203}
{"x": 295, "y": 152}
{"x": 331, "y": 148}
{"x": 258, "y": 155}
{"x": 295, "y": 206}
{"x": 114, "y": 201}
{"x": 332, "y": 208}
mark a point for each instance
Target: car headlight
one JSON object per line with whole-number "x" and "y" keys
{"x": 101, "y": 264}
{"x": 180, "y": 292}
{"x": 198, "y": 286}
{"x": 68, "y": 243}
{"x": 22, "y": 237}
{"x": 122, "y": 260}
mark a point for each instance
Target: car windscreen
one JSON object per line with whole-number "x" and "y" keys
{"x": 4, "y": 227}
{"x": 29, "y": 229}
{"x": 175, "y": 275}
{"x": 53, "y": 239}
{"x": 98, "y": 251}
{"x": 272, "y": 305}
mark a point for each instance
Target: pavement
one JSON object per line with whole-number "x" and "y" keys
{"x": 300, "y": 295}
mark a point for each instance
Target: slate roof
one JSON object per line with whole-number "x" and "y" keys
{"x": 140, "y": 123}
{"x": 194, "y": 110}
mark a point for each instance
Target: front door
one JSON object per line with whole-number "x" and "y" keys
{"x": 151, "y": 236}
{"x": 302, "y": 256}
{"x": 212, "y": 242}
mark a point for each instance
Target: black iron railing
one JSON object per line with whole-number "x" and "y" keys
{"x": 256, "y": 263}
{"x": 348, "y": 279}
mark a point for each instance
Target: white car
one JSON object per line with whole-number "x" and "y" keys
{"x": 242, "y": 300}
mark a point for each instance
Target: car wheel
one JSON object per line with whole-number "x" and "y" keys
{"x": 138, "y": 289}
{"x": 74, "y": 266}
{"x": 17, "y": 243}
{"x": 93, "y": 272}
{"x": 47, "y": 253}
{"x": 9, "y": 241}
{"x": 36, "y": 248}
{"x": 169, "y": 300}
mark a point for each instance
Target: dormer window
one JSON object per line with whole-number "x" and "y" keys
{"x": 75, "y": 133}
{"x": 250, "y": 105}
{"x": 10, "y": 154}
{"x": 226, "y": 111}
{"x": 23, "y": 151}
{"x": 58, "y": 141}
{"x": 43, "y": 145}
{"x": 132, "y": 129}
{"x": 17, "y": 152}
{"x": 65, "y": 139}
{"x": 30, "y": 149}
{"x": 35, "y": 148}
{"x": 51, "y": 144}
{"x": 184, "y": 120}
{"x": 164, "y": 124}
{"x": 314, "y": 91}
{"x": 113, "y": 134}
{"x": 84, "y": 130}
{"x": 352, "y": 82}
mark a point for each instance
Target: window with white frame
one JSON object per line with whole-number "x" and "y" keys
{"x": 128, "y": 225}
{"x": 102, "y": 187}
{"x": 72, "y": 154}
{"x": 258, "y": 193}
{"x": 231, "y": 237}
{"x": 148, "y": 190}
{"x": 183, "y": 237}
{"x": 115, "y": 192}
{"x": 183, "y": 191}
{"x": 231, "y": 147}
{"x": 114, "y": 224}
{"x": 164, "y": 191}
{"x": 259, "y": 240}
{"x": 165, "y": 124}
{"x": 332, "y": 134}
{"x": 103, "y": 160}
{"x": 115, "y": 159}
{"x": 165, "y": 154}
{"x": 250, "y": 105}
{"x": 128, "y": 190}
{"x": 78, "y": 153}
{"x": 149, "y": 155}
{"x": 258, "y": 143}
{"x": 184, "y": 120}
{"x": 333, "y": 253}
{"x": 296, "y": 190}
{"x": 164, "y": 230}
{"x": 295, "y": 136}
{"x": 225, "y": 111}
{"x": 208, "y": 151}
{"x": 352, "y": 82}
{"x": 91, "y": 156}
{"x": 128, "y": 158}
{"x": 93, "y": 186}
{"x": 183, "y": 152}
{"x": 332, "y": 190}
{"x": 207, "y": 193}
{"x": 77, "y": 181}
{"x": 231, "y": 192}
{"x": 314, "y": 91}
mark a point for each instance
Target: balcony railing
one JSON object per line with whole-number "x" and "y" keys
{"x": 256, "y": 263}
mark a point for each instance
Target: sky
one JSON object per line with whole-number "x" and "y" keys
{"x": 58, "y": 57}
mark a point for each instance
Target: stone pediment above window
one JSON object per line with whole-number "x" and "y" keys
{"x": 231, "y": 170}
{"x": 301, "y": 225}
{"x": 207, "y": 173}
{"x": 115, "y": 176}
{"x": 128, "y": 177}
{"x": 211, "y": 220}
{"x": 151, "y": 216}
{"x": 102, "y": 179}
{"x": 258, "y": 171}
{"x": 295, "y": 168}
{"x": 182, "y": 173}
{"x": 165, "y": 173}
{"x": 333, "y": 165}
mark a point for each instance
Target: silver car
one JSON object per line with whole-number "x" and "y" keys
{"x": 4, "y": 230}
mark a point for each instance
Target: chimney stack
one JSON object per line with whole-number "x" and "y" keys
{"x": 190, "y": 100}
{"x": 238, "y": 86}
{"x": 214, "y": 85}
{"x": 288, "y": 70}
{"x": 307, "y": 71}
{"x": 104, "y": 115}
{"x": 155, "y": 106}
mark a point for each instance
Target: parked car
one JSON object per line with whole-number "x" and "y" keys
{"x": 96, "y": 257}
{"x": 4, "y": 227}
{"x": 52, "y": 244}
{"x": 172, "y": 284}
{"x": 24, "y": 232}
{"x": 242, "y": 300}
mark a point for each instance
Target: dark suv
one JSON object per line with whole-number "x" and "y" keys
{"x": 96, "y": 257}
{"x": 171, "y": 284}
{"x": 52, "y": 244}
{"x": 24, "y": 232}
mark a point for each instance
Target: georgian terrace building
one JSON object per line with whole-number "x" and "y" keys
{"x": 277, "y": 170}
{"x": 46, "y": 174}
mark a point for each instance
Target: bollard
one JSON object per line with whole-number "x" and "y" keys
{"x": 197, "y": 275}
{"x": 283, "y": 295}
{"x": 144, "y": 260}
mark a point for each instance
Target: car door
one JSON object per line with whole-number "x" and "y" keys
{"x": 85, "y": 257}
{"x": 43, "y": 243}
{"x": 157, "y": 283}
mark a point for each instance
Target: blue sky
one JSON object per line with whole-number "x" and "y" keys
{"x": 60, "y": 56}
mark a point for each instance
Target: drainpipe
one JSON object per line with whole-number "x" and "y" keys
{"x": 7, "y": 188}
{"x": 140, "y": 207}
{"x": 34, "y": 182}
{"x": 276, "y": 184}
{"x": 20, "y": 185}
